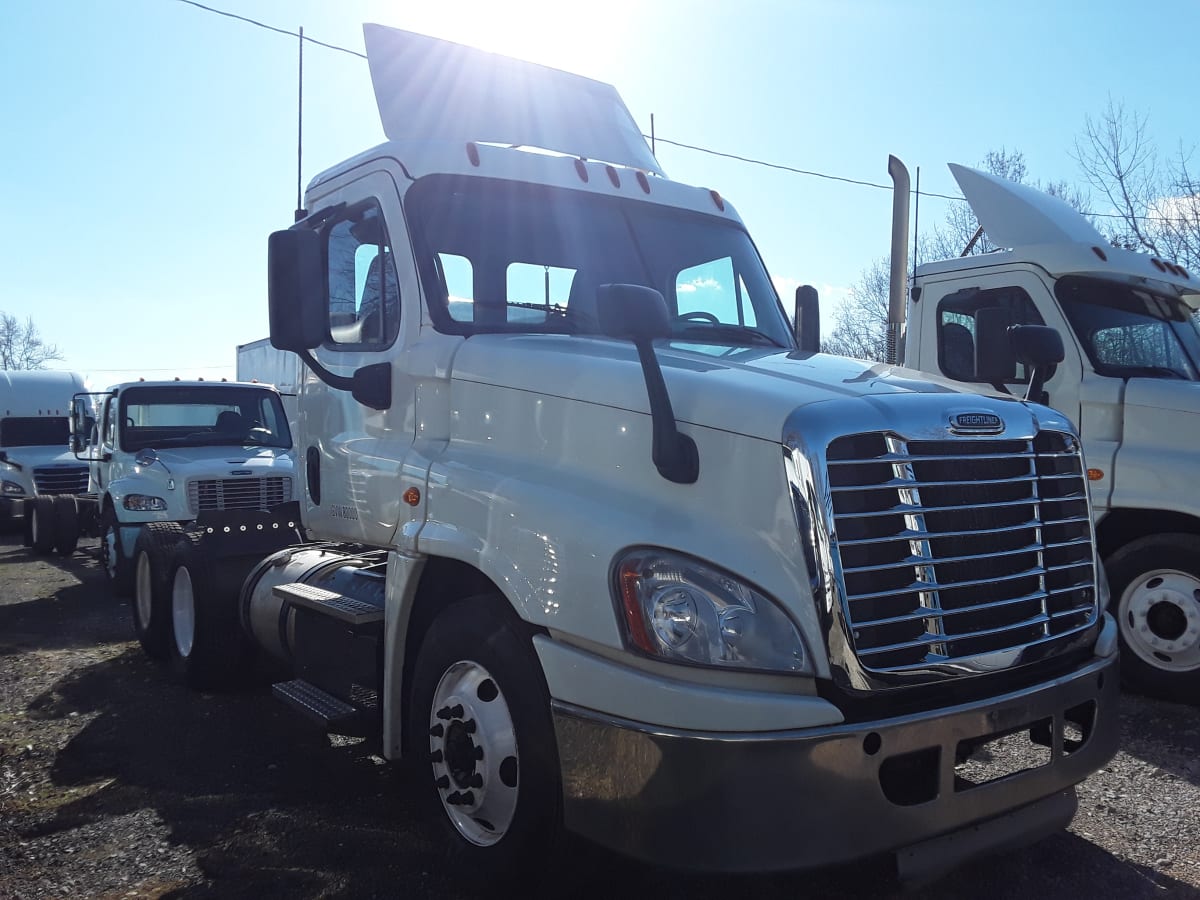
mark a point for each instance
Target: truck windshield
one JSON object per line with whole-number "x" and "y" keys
{"x": 503, "y": 256}
{"x": 191, "y": 416}
{"x": 34, "y": 431}
{"x": 1130, "y": 332}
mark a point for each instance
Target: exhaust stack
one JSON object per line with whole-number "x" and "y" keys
{"x": 898, "y": 284}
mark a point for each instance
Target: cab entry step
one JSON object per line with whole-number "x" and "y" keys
{"x": 354, "y": 613}
{"x": 325, "y": 709}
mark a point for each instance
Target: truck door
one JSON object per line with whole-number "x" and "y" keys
{"x": 350, "y": 456}
{"x": 949, "y": 349}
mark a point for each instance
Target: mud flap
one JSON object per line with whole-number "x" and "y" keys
{"x": 923, "y": 862}
{"x": 249, "y": 532}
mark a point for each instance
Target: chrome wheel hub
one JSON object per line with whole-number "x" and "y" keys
{"x": 1160, "y": 619}
{"x": 473, "y": 751}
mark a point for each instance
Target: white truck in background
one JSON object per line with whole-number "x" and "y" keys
{"x": 259, "y": 362}
{"x": 35, "y": 462}
{"x": 606, "y": 551}
{"x": 1129, "y": 381}
{"x": 165, "y": 457}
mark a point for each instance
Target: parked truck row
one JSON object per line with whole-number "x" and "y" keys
{"x": 583, "y": 525}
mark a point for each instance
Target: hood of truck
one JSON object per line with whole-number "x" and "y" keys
{"x": 31, "y": 457}
{"x": 1168, "y": 395}
{"x": 749, "y": 391}
{"x": 1017, "y": 215}
{"x": 222, "y": 462}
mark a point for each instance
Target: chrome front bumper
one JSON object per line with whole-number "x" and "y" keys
{"x": 801, "y": 799}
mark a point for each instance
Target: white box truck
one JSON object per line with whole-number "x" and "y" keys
{"x": 605, "y": 550}
{"x": 35, "y": 460}
{"x": 1129, "y": 381}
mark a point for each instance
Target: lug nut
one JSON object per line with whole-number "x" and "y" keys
{"x": 435, "y": 756}
{"x": 443, "y": 782}
{"x": 478, "y": 752}
{"x": 467, "y": 798}
{"x": 469, "y": 726}
{"x": 437, "y": 731}
{"x": 455, "y": 799}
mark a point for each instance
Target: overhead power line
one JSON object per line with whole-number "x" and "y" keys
{"x": 274, "y": 28}
{"x": 734, "y": 156}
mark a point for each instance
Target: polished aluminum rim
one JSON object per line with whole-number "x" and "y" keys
{"x": 1159, "y": 614}
{"x": 183, "y": 611}
{"x": 473, "y": 751}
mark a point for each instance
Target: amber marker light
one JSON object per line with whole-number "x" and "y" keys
{"x": 1095, "y": 474}
{"x": 412, "y": 496}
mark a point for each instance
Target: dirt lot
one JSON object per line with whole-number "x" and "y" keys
{"x": 116, "y": 782}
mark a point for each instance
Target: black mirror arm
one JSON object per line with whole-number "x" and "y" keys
{"x": 371, "y": 385}
{"x": 674, "y": 453}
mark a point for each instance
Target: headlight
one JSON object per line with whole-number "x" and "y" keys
{"x": 145, "y": 503}
{"x": 682, "y": 610}
{"x": 11, "y": 489}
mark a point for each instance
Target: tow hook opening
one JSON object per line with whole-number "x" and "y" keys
{"x": 909, "y": 779}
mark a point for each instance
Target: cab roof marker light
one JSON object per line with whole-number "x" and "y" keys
{"x": 717, "y": 200}
{"x": 581, "y": 169}
{"x": 643, "y": 181}
{"x": 613, "y": 176}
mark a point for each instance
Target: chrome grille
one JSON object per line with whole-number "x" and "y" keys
{"x": 238, "y": 493}
{"x": 957, "y": 549}
{"x": 60, "y": 479}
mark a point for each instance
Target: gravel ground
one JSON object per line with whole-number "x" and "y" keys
{"x": 116, "y": 782}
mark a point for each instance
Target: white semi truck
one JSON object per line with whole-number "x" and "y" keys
{"x": 1129, "y": 381}
{"x": 165, "y": 457}
{"x": 35, "y": 461}
{"x": 605, "y": 550}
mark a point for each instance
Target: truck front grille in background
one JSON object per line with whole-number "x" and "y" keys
{"x": 60, "y": 479}
{"x": 953, "y": 549}
{"x": 238, "y": 493}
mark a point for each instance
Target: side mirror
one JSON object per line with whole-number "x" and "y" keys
{"x": 80, "y": 424}
{"x": 1040, "y": 348}
{"x": 995, "y": 360}
{"x": 640, "y": 315}
{"x": 632, "y": 311}
{"x": 808, "y": 319}
{"x": 296, "y": 290}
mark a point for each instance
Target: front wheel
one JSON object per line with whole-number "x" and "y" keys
{"x": 481, "y": 713}
{"x": 1155, "y": 584}
{"x": 117, "y": 567}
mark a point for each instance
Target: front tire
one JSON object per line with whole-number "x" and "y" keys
{"x": 117, "y": 568}
{"x": 1155, "y": 584}
{"x": 151, "y": 599}
{"x": 208, "y": 649}
{"x": 41, "y": 525}
{"x": 481, "y": 717}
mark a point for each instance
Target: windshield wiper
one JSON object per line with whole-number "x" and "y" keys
{"x": 727, "y": 333}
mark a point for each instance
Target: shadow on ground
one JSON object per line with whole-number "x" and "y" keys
{"x": 269, "y": 806}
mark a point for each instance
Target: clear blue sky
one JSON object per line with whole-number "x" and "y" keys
{"x": 149, "y": 147}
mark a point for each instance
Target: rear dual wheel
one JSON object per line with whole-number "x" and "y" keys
{"x": 54, "y": 524}
{"x": 207, "y": 649}
{"x": 151, "y": 600}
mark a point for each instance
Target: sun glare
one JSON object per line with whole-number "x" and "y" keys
{"x": 539, "y": 31}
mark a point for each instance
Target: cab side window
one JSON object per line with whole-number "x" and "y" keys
{"x": 364, "y": 292}
{"x": 957, "y": 331}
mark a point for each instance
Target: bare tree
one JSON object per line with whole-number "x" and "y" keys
{"x": 861, "y": 321}
{"x": 1155, "y": 202}
{"x": 21, "y": 345}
